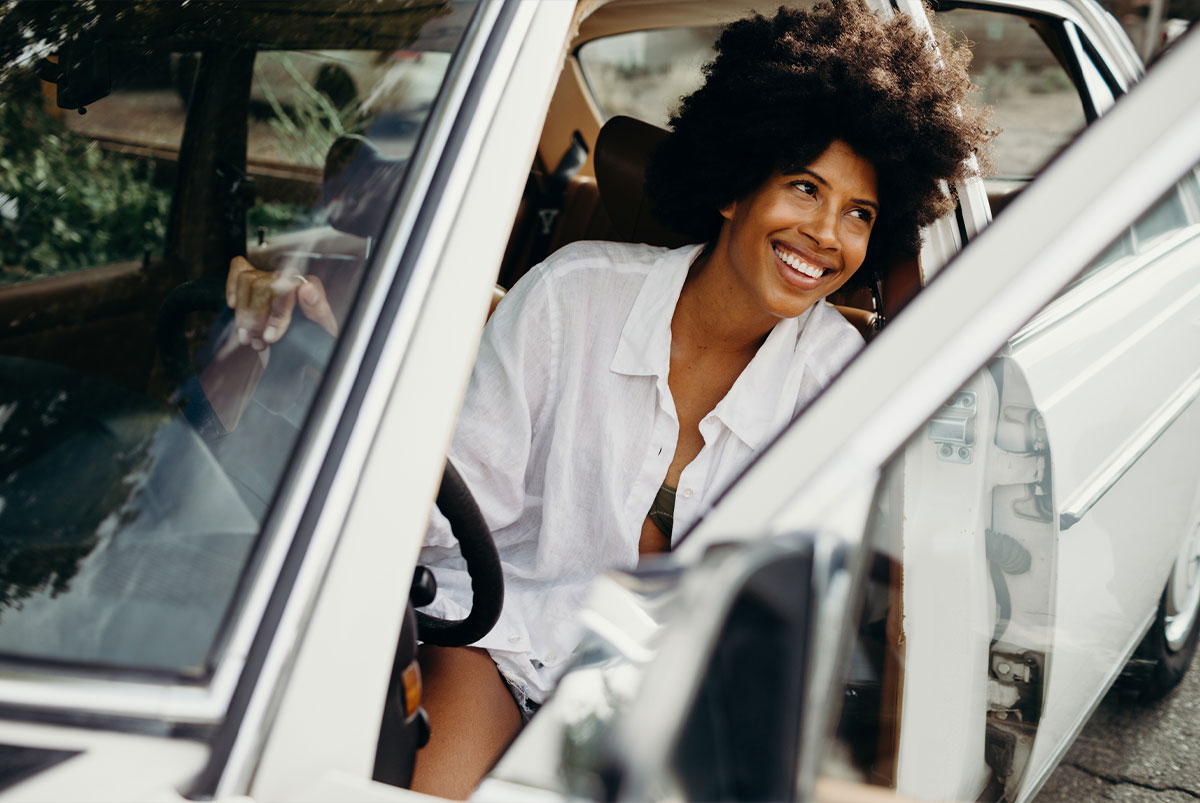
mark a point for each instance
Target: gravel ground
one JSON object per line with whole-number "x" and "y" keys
{"x": 1134, "y": 752}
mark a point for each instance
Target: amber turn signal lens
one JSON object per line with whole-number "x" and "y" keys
{"x": 411, "y": 678}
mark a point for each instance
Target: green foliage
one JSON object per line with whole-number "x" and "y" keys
{"x": 275, "y": 216}
{"x": 310, "y": 124}
{"x": 66, "y": 204}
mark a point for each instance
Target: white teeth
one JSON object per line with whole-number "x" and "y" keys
{"x": 799, "y": 265}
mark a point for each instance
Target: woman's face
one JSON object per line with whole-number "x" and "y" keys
{"x": 800, "y": 236}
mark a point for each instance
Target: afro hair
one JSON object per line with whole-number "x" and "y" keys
{"x": 782, "y": 88}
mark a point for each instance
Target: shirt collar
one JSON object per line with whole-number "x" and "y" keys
{"x": 762, "y": 399}
{"x": 645, "y": 345}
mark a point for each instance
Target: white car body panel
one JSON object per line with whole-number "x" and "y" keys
{"x": 942, "y": 537}
{"x": 1113, "y": 561}
{"x": 116, "y": 767}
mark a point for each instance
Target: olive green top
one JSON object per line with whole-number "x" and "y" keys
{"x": 662, "y": 511}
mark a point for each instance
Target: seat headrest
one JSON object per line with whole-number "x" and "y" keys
{"x": 623, "y": 149}
{"x": 360, "y": 185}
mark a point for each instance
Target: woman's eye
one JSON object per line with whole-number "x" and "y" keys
{"x": 865, "y": 215}
{"x": 806, "y": 187}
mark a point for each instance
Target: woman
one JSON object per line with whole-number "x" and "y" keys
{"x": 620, "y": 387}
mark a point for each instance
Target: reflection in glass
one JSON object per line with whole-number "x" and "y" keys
{"x": 141, "y": 443}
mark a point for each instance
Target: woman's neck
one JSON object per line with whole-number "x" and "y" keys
{"x": 712, "y": 314}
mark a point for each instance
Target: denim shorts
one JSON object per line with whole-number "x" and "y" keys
{"x": 520, "y": 694}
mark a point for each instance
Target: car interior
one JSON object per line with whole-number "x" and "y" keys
{"x": 146, "y": 323}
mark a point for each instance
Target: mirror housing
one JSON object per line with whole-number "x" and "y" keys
{"x": 82, "y": 75}
{"x": 733, "y": 706}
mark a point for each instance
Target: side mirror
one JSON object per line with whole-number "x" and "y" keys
{"x": 83, "y": 74}
{"x": 734, "y": 707}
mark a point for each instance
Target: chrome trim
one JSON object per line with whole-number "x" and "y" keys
{"x": 1090, "y": 288}
{"x": 972, "y": 196}
{"x": 195, "y": 705}
{"x": 1121, "y": 49}
{"x": 1099, "y": 93}
{"x": 1101, "y": 28}
{"x": 1106, "y": 476}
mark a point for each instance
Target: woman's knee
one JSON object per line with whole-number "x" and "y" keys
{"x": 472, "y": 717}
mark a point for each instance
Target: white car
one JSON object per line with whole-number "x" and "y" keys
{"x": 924, "y": 584}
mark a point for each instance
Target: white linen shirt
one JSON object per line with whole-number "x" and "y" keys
{"x": 569, "y": 427}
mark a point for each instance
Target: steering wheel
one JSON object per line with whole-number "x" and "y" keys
{"x": 306, "y": 344}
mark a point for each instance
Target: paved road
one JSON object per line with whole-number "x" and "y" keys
{"x": 1134, "y": 753}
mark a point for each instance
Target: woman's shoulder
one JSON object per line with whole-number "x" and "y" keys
{"x": 608, "y": 273}
{"x": 828, "y": 341}
{"x": 600, "y": 257}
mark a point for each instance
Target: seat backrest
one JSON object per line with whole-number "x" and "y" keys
{"x": 623, "y": 150}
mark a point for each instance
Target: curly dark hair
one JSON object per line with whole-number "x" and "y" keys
{"x": 782, "y": 88}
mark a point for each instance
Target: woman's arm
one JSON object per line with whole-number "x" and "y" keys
{"x": 506, "y": 402}
{"x": 263, "y": 301}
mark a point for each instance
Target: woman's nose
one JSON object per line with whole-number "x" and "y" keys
{"x": 822, "y": 228}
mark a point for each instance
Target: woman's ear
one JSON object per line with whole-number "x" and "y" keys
{"x": 728, "y": 209}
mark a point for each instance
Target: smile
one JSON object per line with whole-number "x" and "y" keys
{"x": 799, "y": 265}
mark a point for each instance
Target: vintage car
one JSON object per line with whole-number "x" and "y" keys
{"x": 925, "y": 584}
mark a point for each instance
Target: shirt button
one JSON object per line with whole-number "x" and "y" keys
{"x": 552, "y": 657}
{"x": 514, "y": 639}
{"x": 687, "y": 493}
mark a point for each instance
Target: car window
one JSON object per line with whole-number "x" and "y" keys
{"x": 1035, "y": 104}
{"x": 83, "y": 190}
{"x": 643, "y": 74}
{"x": 141, "y": 444}
{"x": 1175, "y": 213}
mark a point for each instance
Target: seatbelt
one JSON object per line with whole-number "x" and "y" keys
{"x": 553, "y": 194}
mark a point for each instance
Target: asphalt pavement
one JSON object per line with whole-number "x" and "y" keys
{"x": 1134, "y": 752}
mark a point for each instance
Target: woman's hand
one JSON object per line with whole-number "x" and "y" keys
{"x": 263, "y": 301}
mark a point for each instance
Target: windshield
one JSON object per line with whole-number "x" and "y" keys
{"x": 145, "y": 145}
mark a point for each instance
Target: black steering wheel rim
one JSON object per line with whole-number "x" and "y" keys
{"x": 467, "y": 524}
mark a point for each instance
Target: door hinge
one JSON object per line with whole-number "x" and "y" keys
{"x": 952, "y": 428}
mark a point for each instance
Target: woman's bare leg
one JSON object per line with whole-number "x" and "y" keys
{"x": 472, "y": 718}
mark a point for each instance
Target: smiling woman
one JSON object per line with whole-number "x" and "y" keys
{"x": 594, "y": 435}
{"x": 810, "y": 228}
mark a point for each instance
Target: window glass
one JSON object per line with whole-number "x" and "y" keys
{"x": 302, "y": 101}
{"x": 278, "y": 131}
{"x": 644, "y": 74}
{"x": 82, "y": 190}
{"x": 1035, "y": 104}
{"x": 1037, "y": 107}
{"x": 1167, "y": 216}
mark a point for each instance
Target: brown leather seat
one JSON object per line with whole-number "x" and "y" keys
{"x": 623, "y": 150}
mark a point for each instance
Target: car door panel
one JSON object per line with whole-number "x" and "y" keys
{"x": 1107, "y": 364}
